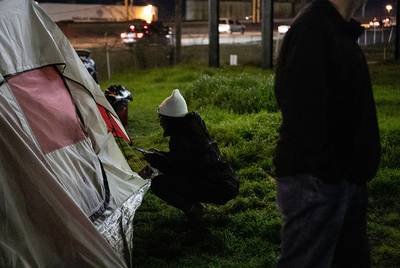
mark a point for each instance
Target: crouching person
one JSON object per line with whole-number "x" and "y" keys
{"x": 193, "y": 171}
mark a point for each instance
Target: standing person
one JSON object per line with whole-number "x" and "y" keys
{"x": 329, "y": 145}
{"x": 193, "y": 171}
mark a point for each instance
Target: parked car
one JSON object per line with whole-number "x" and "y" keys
{"x": 229, "y": 26}
{"x": 141, "y": 31}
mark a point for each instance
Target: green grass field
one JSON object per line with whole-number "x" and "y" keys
{"x": 239, "y": 108}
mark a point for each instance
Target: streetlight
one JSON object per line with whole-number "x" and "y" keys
{"x": 389, "y": 8}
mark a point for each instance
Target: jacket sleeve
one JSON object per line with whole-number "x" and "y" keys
{"x": 302, "y": 93}
{"x": 189, "y": 153}
{"x": 158, "y": 160}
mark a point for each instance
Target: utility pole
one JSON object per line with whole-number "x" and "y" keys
{"x": 178, "y": 30}
{"x": 213, "y": 35}
{"x": 127, "y": 9}
{"x": 364, "y": 7}
{"x": 253, "y": 10}
{"x": 255, "y": 13}
{"x": 267, "y": 31}
{"x": 397, "y": 50}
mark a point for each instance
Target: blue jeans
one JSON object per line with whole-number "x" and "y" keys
{"x": 324, "y": 225}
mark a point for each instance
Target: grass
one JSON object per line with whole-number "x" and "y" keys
{"x": 238, "y": 107}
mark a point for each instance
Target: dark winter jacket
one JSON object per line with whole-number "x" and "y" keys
{"x": 329, "y": 125}
{"x": 192, "y": 151}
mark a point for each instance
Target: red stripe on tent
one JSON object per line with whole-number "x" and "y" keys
{"x": 112, "y": 125}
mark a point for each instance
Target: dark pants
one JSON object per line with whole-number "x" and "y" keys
{"x": 183, "y": 193}
{"x": 324, "y": 225}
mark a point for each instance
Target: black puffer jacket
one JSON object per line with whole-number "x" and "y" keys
{"x": 192, "y": 152}
{"x": 329, "y": 125}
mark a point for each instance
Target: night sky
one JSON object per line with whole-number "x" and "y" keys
{"x": 166, "y": 7}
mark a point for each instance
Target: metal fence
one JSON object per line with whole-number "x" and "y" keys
{"x": 113, "y": 57}
{"x": 377, "y": 35}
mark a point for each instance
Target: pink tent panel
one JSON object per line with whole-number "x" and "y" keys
{"x": 48, "y": 107}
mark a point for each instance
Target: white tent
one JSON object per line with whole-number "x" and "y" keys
{"x": 67, "y": 195}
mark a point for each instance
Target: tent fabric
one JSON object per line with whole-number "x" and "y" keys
{"x": 112, "y": 124}
{"x": 119, "y": 173}
{"x": 40, "y": 225}
{"x": 48, "y": 106}
{"x": 67, "y": 195}
{"x": 51, "y": 115}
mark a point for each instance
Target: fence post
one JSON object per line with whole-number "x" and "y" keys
{"x": 213, "y": 36}
{"x": 277, "y": 43}
{"x": 107, "y": 57}
{"x": 267, "y": 31}
{"x": 108, "y": 62}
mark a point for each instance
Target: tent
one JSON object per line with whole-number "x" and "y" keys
{"x": 67, "y": 194}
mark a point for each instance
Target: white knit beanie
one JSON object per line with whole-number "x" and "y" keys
{"x": 174, "y": 105}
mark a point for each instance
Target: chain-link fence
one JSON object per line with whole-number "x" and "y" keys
{"x": 112, "y": 56}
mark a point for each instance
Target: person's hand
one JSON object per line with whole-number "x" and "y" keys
{"x": 155, "y": 159}
{"x": 147, "y": 172}
{"x": 154, "y": 150}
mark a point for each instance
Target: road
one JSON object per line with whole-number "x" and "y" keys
{"x": 187, "y": 40}
{"x": 370, "y": 37}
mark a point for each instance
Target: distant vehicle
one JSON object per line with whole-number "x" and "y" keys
{"x": 229, "y": 26}
{"x": 160, "y": 33}
{"x": 141, "y": 31}
{"x": 387, "y": 22}
{"x": 136, "y": 31}
{"x": 374, "y": 23}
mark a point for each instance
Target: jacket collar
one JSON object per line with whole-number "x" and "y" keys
{"x": 351, "y": 28}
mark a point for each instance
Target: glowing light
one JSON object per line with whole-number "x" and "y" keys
{"x": 282, "y": 29}
{"x": 374, "y": 23}
{"x": 389, "y": 8}
{"x": 139, "y": 35}
{"x": 148, "y": 13}
{"x": 132, "y": 27}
